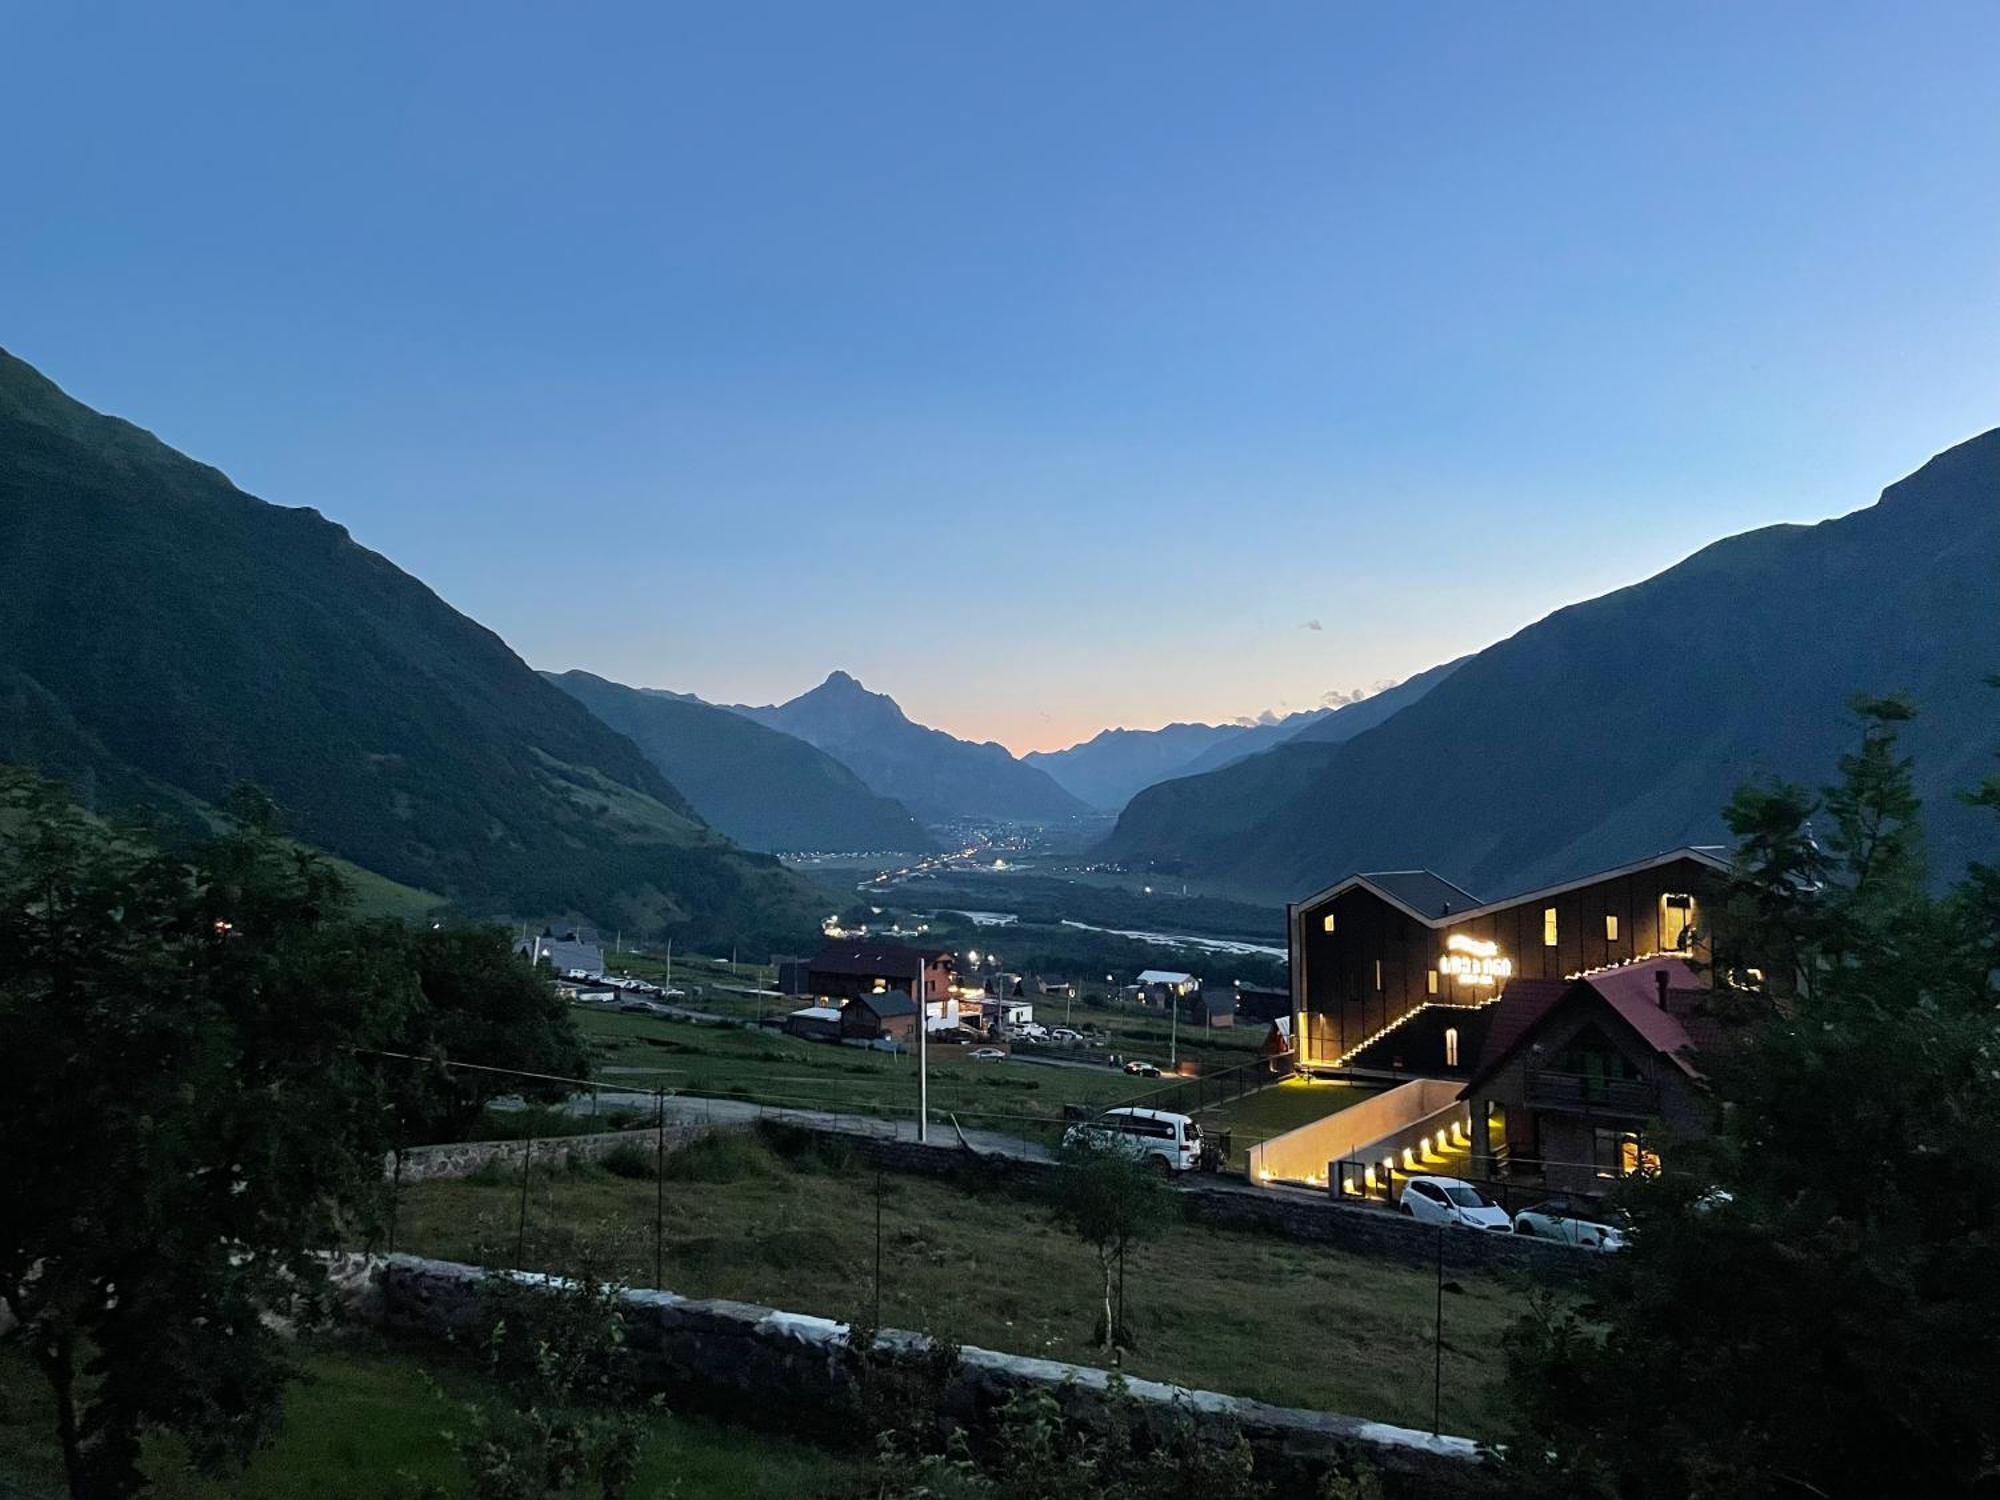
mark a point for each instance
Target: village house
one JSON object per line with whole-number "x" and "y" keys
{"x": 845, "y": 970}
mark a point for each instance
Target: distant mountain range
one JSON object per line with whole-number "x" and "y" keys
{"x": 764, "y": 788}
{"x": 1108, "y": 770}
{"x": 164, "y": 636}
{"x": 940, "y": 778}
{"x": 1620, "y": 726}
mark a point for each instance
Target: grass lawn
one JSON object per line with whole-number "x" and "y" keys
{"x": 1257, "y": 1117}
{"x": 367, "y": 1416}
{"x": 1249, "y": 1314}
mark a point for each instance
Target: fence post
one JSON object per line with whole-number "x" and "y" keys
{"x": 659, "y": 1186}
{"x": 395, "y": 1192}
{"x": 521, "y": 1230}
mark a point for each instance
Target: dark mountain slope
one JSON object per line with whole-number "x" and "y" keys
{"x": 1620, "y": 726}
{"x": 1109, "y": 767}
{"x": 764, "y": 788}
{"x": 164, "y": 636}
{"x": 938, "y": 777}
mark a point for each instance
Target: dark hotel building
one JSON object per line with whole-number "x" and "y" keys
{"x": 1374, "y": 951}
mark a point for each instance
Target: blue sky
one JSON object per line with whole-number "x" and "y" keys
{"x": 1049, "y": 366}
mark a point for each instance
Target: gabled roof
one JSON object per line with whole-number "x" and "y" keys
{"x": 887, "y": 1004}
{"x": 1631, "y": 992}
{"x": 1164, "y": 976}
{"x": 1436, "y": 902}
{"x": 874, "y": 960}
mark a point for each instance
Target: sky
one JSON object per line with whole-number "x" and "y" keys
{"x": 1048, "y": 366}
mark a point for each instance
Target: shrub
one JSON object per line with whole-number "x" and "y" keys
{"x": 629, "y": 1160}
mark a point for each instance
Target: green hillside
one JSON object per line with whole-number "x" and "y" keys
{"x": 164, "y": 636}
{"x": 1620, "y": 726}
{"x": 764, "y": 788}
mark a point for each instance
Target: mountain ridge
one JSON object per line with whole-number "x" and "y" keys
{"x": 1620, "y": 725}
{"x": 164, "y": 635}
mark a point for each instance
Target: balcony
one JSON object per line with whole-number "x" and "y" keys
{"x": 1587, "y": 1093}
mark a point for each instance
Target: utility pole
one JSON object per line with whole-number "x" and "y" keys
{"x": 923, "y": 1058}
{"x": 1173, "y": 1027}
{"x": 670, "y": 963}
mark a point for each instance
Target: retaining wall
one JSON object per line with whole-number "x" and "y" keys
{"x": 757, "y": 1364}
{"x": 463, "y": 1158}
{"x": 1302, "y": 1154}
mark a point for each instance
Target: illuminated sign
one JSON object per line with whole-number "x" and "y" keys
{"x": 1472, "y": 960}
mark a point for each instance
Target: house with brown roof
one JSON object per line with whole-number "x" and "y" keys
{"x": 846, "y": 969}
{"x": 1574, "y": 1074}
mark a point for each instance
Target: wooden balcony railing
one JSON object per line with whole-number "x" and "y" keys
{"x": 1591, "y": 1092}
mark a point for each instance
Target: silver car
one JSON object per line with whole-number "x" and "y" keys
{"x": 1571, "y": 1221}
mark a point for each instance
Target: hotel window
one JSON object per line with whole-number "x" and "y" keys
{"x": 1431, "y": 982}
{"x": 1451, "y": 1046}
{"x": 1676, "y": 918}
{"x": 1326, "y": 922}
{"x": 1548, "y": 927}
{"x": 1378, "y": 973}
{"x": 1610, "y": 929}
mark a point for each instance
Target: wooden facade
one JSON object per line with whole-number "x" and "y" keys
{"x": 1372, "y": 950}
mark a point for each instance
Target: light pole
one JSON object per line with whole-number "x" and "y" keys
{"x": 923, "y": 1057}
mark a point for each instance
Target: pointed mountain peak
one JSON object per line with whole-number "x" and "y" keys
{"x": 840, "y": 681}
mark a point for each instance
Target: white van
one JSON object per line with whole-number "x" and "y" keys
{"x": 1173, "y": 1140}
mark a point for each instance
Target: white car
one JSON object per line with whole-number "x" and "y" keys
{"x": 1450, "y": 1200}
{"x": 986, "y": 1054}
{"x": 1171, "y": 1140}
{"x": 1571, "y": 1221}
{"x": 1064, "y": 1034}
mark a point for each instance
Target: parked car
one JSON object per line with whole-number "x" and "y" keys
{"x": 986, "y": 1054}
{"x": 1572, "y": 1221}
{"x": 1064, "y": 1034}
{"x": 1171, "y": 1140}
{"x": 1142, "y": 1069}
{"x": 1451, "y": 1200}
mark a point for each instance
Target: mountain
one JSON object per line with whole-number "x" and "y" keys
{"x": 1620, "y": 726}
{"x": 1111, "y": 768}
{"x": 165, "y": 636}
{"x": 1108, "y": 768}
{"x": 938, "y": 777}
{"x": 762, "y": 787}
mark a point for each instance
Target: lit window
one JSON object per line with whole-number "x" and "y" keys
{"x": 1431, "y": 982}
{"x": 1676, "y": 920}
{"x": 1548, "y": 927}
{"x": 1610, "y": 929}
{"x": 1451, "y": 1046}
{"x": 1378, "y": 973}
{"x": 1326, "y": 922}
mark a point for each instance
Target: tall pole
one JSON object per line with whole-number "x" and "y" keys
{"x": 659, "y": 1185}
{"x": 1437, "y": 1344}
{"x": 1173, "y": 1027}
{"x": 670, "y": 963}
{"x": 923, "y": 1058}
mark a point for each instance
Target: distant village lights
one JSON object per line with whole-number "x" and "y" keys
{"x": 1472, "y": 960}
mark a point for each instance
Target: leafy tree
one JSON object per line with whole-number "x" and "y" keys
{"x": 570, "y": 1423}
{"x": 184, "y": 1117}
{"x": 1828, "y": 1323}
{"x": 481, "y": 1004}
{"x": 1108, "y": 1196}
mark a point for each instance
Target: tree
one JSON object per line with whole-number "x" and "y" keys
{"x": 185, "y": 1119}
{"x": 1108, "y": 1196}
{"x": 481, "y": 1004}
{"x": 1826, "y": 1323}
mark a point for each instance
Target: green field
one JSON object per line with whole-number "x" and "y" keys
{"x": 794, "y": 1227}
{"x": 1257, "y": 1117}
{"x": 369, "y": 1425}
{"x": 766, "y": 1067}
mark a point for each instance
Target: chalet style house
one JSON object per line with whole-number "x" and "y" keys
{"x": 1405, "y": 965}
{"x": 1573, "y": 1020}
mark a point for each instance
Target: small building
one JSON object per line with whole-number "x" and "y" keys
{"x": 995, "y": 1013}
{"x": 1256, "y": 1002}
{"x": 884, "y": 1013}
{"x": 1574, "y": 1072}
{"x": 1210, "y": 1008}
{"x": 794, "y": 975}
{"x": 1168, "y": 982}
{"x": 816, "y": 1023}
{"x": 568, "y": 950}
{"x": 844, "y": 969}
{"x": 1051, "y": 988}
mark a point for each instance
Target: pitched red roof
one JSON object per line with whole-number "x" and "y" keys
{"x": 1632, "y": 991}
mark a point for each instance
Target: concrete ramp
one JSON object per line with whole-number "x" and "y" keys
{"x": 1375, "y": 1130}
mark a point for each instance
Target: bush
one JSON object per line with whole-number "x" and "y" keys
{"x": 729, "y": 1156}
{"x": 629, "y": 1160}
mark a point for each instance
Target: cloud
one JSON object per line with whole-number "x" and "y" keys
{"x": 1312, "y": 624}
{"x": 1339, "y": 699}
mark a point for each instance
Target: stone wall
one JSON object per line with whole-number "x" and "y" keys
{"x": 757, "y": 1365}
{"x": 463, "y": 1158}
